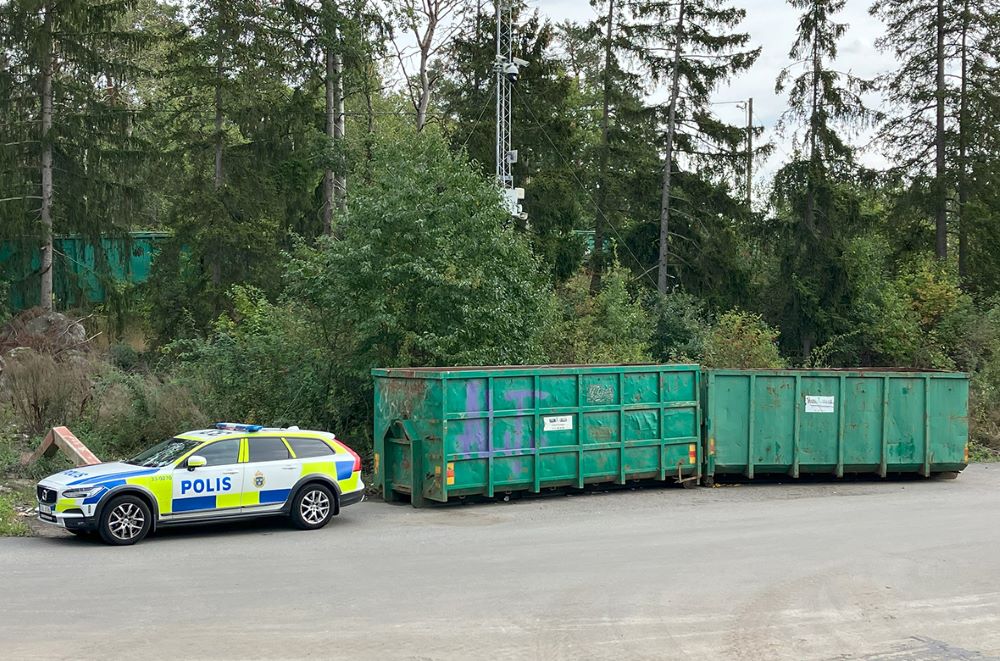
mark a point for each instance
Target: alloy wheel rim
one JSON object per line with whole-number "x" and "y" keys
{"x": 315, "y": 506}
{"x": 126, "y": 521}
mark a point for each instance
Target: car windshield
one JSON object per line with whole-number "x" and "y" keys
{"x": 164, "y": 453}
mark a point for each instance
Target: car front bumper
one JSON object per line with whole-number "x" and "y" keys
{"x": 69, "y": 520}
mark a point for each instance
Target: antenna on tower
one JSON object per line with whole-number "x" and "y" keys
{"x": 507, "y": 69}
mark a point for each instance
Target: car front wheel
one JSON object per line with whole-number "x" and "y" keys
{"x": 313, "y": 507}
{"x": 125, "y": 520}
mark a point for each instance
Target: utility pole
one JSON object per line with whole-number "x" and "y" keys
{"x": 749, "y": 150}
{"x": 507, "y": 69}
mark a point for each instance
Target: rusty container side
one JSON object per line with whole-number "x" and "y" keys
{"x": 834, "y": 421}
{"x": 446, "y": 432}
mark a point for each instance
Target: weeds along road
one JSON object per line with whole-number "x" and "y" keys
{"x": 897, "y": 570}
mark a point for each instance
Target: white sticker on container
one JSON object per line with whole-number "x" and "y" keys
{"x": 820, "y": 403}
{"x": 558, "y": 422}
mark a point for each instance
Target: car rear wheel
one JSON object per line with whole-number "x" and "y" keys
{"x": 125, "y": 521}
{"x": 313, "y": 507}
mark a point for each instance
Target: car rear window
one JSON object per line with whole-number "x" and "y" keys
{"x": 309, "y": 447}
{"x": 267, "y": 449}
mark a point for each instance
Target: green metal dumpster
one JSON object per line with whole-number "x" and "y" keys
{"x": 834, "y": 421}
{"x": 460, "y": 431}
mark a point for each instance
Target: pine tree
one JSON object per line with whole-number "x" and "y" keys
{"x": 977, "y": 121}
{"x": 70, "y": 157}
{"x": 624, "y": 145}
{"x": 814, "y": 195}
{"x": 232, "y": 127}
{"x": 821, "y": 98}
{"x": 693, "y": 47}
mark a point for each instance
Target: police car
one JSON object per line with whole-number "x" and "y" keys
{"x": 232, "y": 471}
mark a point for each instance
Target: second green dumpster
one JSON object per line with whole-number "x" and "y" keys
{"x": 835, "y": 421}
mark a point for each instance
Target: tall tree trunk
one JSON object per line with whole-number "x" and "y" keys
{"x": 426, "y": 44}
{"x": 331, "y": 122}
{"x": 597, "y": 255}
{"x": 46, "y": 211}
{"x": 963, "y": 164}
{"x": 661, "y": 280}
{"x": 810, "y": 214}
{"x": 216, "y": 264}
{"x": 940, "y": 190}
{"x": 340, "y": 182}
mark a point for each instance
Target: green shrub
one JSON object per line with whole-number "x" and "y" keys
{"x": 742, "y": 340}
{"x": 11, "y": 524}
{"x": 128, "y": 412}
{"x": 681, "y": 327}
{"x": 611, "y": 327}
{"x": 266, "y": 364}
{"x": 423, "y": 271}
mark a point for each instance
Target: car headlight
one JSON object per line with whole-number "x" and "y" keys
{"x": 83, "y": 492}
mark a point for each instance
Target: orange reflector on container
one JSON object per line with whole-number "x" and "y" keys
{"x": 692, "y": 453}
{"x": 711, "y": 446}
{"x": 966, "y": 459}
{"x": 451, "y": 473}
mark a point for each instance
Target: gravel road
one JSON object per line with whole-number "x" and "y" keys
{"x": 901, "y": 570}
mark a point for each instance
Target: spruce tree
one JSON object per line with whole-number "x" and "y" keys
{"x": 692, "y": 47}
{"x": 814, "y": 197}
{"x": 70, "y": 157}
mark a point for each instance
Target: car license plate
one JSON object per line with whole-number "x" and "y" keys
{"x": 44, "y": 509}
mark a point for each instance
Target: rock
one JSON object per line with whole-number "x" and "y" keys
{"x": 44, "y": 331}
{"x": 58, "y": 327}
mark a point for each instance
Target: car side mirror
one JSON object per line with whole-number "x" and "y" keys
{"x": 195, "y": 462}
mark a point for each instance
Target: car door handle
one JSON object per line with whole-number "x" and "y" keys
{"x": 289, "y": 468}
{"x": 230, "y": 472}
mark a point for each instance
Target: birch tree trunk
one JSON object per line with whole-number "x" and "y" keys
{"x": 340, "y": 181}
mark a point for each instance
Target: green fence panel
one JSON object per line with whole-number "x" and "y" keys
{"x": 75, "y": 267}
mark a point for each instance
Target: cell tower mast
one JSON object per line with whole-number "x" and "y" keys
{"x": 507, "y": 68}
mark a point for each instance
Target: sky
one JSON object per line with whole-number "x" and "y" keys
{"x": 772, "y": 25}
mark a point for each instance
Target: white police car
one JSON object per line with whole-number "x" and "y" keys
{"x": 232, "y": 471}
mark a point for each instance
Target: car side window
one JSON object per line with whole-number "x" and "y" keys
{"x": 309, "y": 447}
{"x": 267, "y": 449}
{"x": 220, "y": 453}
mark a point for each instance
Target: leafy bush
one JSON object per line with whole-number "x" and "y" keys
{"x": 682, "y": 324}
{"x": 128, "y": 412}
{"x": 423, "y": 271}
{"x": 742, "y": 340}
{"x": 611, "y": 327}
{"x": 265, "y": 364}
{"x": 426, "y": 271}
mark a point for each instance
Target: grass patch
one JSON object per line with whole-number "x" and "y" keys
{"x": 982, "y": 454}
{"x": 11, "y": 524}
